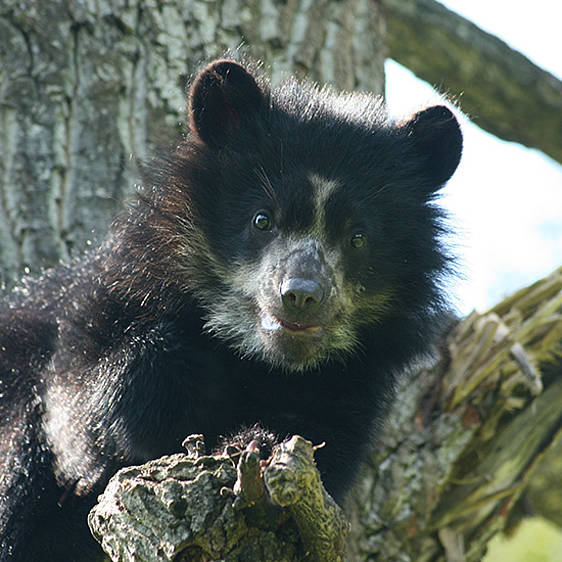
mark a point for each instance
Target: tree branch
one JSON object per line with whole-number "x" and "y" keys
{"x": 465, "y": 437}
{"x": 199, "y": 508}
{"x": 500, "y": 89}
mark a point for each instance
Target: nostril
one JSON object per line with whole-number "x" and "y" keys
{"x": 301, "y": 294}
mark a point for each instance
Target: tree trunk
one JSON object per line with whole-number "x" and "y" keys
{"x": 464, "y": 437}
{"x": 86, "y": 88}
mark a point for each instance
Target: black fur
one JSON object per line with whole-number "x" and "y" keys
{"x": 228, "y": 296}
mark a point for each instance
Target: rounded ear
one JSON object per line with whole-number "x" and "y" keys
{"x": 223, "y": 95}
{"x": 437, "y": 139}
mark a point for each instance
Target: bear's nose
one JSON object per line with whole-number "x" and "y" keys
{"x": 299, "y": 295}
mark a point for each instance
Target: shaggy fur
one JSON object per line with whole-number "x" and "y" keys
{"x": 281, "y": 266}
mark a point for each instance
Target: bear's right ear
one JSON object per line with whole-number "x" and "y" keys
{"x": 222, "y": 97}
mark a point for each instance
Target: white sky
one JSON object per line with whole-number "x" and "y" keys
{"x": 505, "y": 200}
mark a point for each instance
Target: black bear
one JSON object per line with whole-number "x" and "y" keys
{"x": 282, "y": 265}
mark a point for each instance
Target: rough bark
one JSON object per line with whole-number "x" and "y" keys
{"x": 85, "y": 85}
{"x": 465, "y": 437}
{"x": 544, "y": 495}
{"x": 501, "y": 90}
{"x": 463, "y": 440}
{"x": 235, "y": 508}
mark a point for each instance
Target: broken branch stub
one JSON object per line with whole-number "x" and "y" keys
{"x": 238, "y": 507}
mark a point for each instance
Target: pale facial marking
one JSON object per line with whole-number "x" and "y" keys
{"x": 323, "y": 190}
{"x": 246, "y": 313}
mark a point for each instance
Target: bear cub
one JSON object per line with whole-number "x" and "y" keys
{"x": 281, "y": 266}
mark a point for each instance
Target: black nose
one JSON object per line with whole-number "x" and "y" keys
{"x": 301, "y": 294}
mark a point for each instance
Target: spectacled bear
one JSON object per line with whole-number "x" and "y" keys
{"x": 282, "y": 265}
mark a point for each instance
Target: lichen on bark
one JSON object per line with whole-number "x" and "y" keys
{"x": 232, "y": 508}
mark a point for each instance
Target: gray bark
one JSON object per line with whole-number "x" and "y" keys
{"x": 497, "y": 87}
{"x": 88, "y": 87}
{"x": 465, "y": 437}
{"x": 235, "y": 508}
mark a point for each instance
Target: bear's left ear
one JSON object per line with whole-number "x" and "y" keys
{"x": 223, "y": 96}
{"x": 437, "y": 139}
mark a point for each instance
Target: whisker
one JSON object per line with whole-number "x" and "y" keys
{"x": 266, "y": 184}
{"x": 376, "y": 194}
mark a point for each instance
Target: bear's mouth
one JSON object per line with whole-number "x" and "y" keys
{"x": 272, "y": 323}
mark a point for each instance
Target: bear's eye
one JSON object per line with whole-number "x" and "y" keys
{"x": 262, "y": 221}
{"x": 358, "y": 240}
